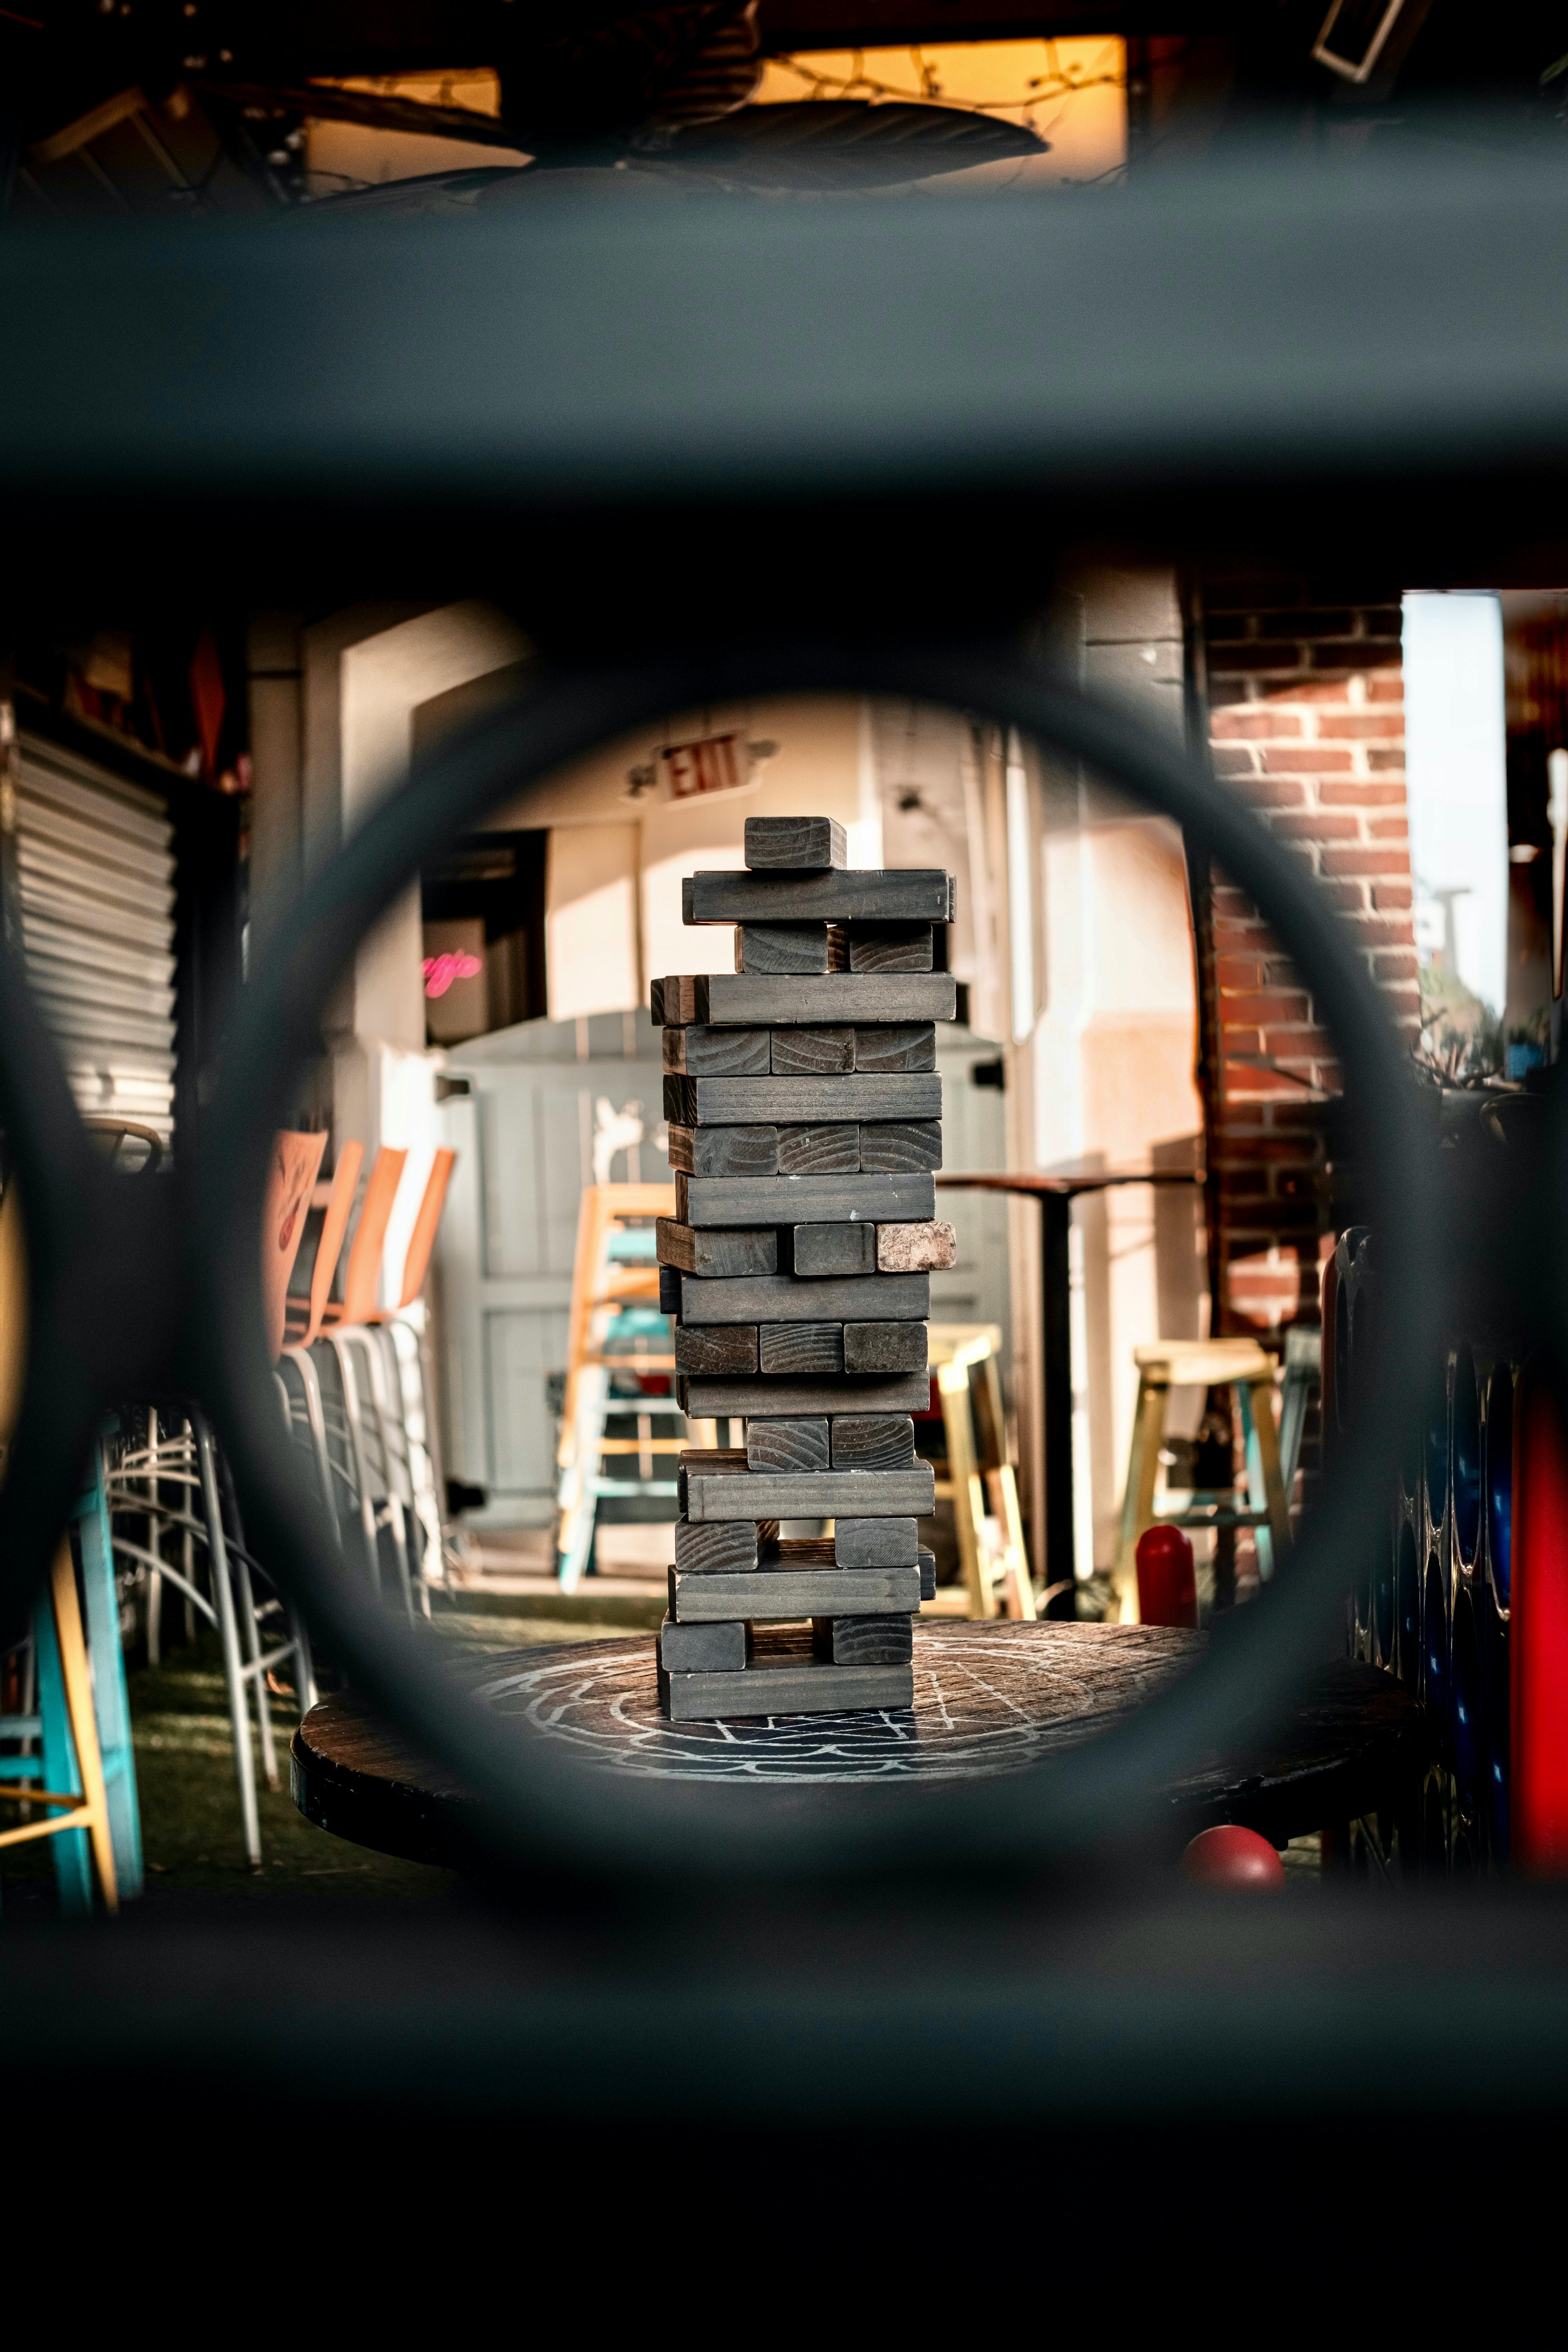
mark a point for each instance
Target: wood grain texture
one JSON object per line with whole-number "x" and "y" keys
{"x": 656, "y": 1003}
{"x": 927, "y": 1565}
{"x": 785, "y": 1686}
{"x": 876, "y": 1543}
{"x": 781, "y": 1594}
{"x": 795, "y": 843}
{"x": 781, "y": 948}
{"x": 882, "y": 1198}
{"x": 892, "y": 947}
{"x": 799, "y": 1348}
{"x": 873, "y": 1441}
{"x": 669, "y": 1290}
{"x": 894, "y": 1046}
{"x": 824, "y": 1494}
{"x": 810, "y": 1053}
{"x": 830, "y": 1150}
{"x": 796, "y": 1552}
{"x": 885, "y": 1347}
{"x": 925, "y": 1248}
{"x": 681, "y": 998}
{"x": 726, "y": 1348}
{"x": 819, "y": 1250}
{"x": 909, "y": 1098}
{"x": 699, "y": 1648}
{"x": 750, "y": 1001}
{"x": 716, "y": 1548}
{"x": 891, "y": 895}
{"x": 864, "y": 1641}
{"x": 702, "y": 1051}
{"x": 721, "y": 1152}
{"x": 788, "y": 1445}
{"x": 896, "y": 1146}
{"x": 780, "y": 1298}
{"x": 729, "y": 1250}
{"x": 742, "y": 1399}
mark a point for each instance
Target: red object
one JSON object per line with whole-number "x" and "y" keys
{"x": 1538, "y": 1643}
{"x": 1167, "y": 1588}
{"x": 1230, "y": 1856}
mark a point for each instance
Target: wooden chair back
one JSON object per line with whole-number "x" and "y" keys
{"x": 296, "y": 1162}
{"x": 363, "y": 1272}
{"x": 422, "y": 1239}
{"x": 306, "y": 1319}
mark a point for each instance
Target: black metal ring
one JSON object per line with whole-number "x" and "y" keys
{"x": 544, "y": 1805}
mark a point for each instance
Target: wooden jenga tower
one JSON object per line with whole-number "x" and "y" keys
{"x": 805, "y": 1121}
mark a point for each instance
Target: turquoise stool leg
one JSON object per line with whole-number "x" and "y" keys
{"x": 111, "y": 1702}
{"x": 73, "y": 1866}
{"x": 1256, "y": 1490}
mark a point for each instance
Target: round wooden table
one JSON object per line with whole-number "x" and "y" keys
{"x": 989, "y": 1698}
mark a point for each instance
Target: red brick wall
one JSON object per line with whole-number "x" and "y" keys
{"x": 1305, "y": 704}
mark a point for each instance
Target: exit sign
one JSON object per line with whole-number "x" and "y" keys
{"x": 717, "y": 763}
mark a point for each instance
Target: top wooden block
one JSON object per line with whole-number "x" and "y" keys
{"x": 796, "y": 845}
{"x": 893, "y": 895}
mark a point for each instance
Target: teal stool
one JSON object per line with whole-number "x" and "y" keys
{"x": 60, "y": 1767}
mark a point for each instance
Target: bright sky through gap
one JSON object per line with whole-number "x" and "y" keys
{"x": 1455, "y": 755}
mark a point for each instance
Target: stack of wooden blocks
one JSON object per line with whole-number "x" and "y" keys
{"x": 805, "y": 1122}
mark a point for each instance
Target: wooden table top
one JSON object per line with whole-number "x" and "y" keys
{"x": 989, "y": 1698}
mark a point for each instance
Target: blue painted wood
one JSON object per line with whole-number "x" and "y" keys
{"x": 112, "y": 1702}
{"x": 72, "y": 1856}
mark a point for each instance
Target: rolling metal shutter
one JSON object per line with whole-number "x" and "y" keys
{"x": 95, "y": 862}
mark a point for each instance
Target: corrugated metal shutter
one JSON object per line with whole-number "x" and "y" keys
{"x": 95, "y": 862}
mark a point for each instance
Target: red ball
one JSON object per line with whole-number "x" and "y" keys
{"x": 1167, "y": 1583}
{"x": 1229, "y": 1856}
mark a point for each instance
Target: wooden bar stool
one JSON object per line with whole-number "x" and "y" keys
{"x": 1262, "y": 1505}
{"x": 365, "y": 1406}
{"x": 303, "y": 1318}
{"x": 408, "y": 1405}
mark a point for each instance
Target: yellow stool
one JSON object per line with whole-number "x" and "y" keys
{"x": 1240, "y": 1364}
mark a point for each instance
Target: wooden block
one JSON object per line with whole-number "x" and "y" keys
{"x": 736, "y": 1152}
{"x": 655, "y": 1001}
{"x": 837, "y": 947}
{"x": 681, "y": 998}
{"x": 892, "y": 947}
{"x": 669, "y": 1290}
{"x": 924, "y": 1248}
{"x": 720, "y": 1460}
{"x": 779, "y": 1298}
{"x": 876, "y": 1543}
{"x": 751, "y": 1001}
{"x": 819, "y": 1150}
{"x": 880, "y": 1199}
{"x": 800, "y": 1348}
{"x": 818, "y": 1250}
{"x": 788, "y": 1445}
{"x": 781, "y": 948}
{"x": 703, "y": 1648}
{"x": 760, "y": 1399}
{"x": 716, "y": 1548}
{"x": 884, "y": 1346}
{"x": 891, "y": 1045}
{"x": 872, "y": 1441}
{"x": 894, "y": 895}
{"x": 927, "y": 1565}
{"x": 808, "y": 1053}
{"x": 785, "y": 1687}
{"x": 864, "y": 1641}
{"x": 701, "y": 1051}
{"x": 817, "y": 1494}
{"x": 797, "y": 1552}
{"x": 782, "y": 1593}
{"x": 729, "y": 1250}
{"x": 899, "y": 1146}
{"x": 726, "y": 1348}
{"x": 905, "y": 1097}
{"x": 795, "y": 844}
